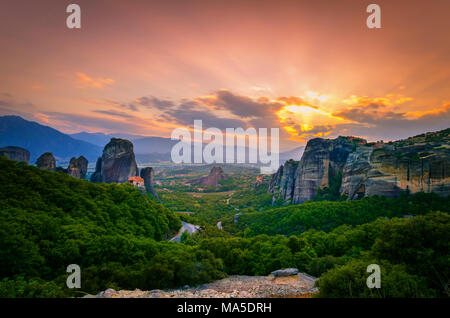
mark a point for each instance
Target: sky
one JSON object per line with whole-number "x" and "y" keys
{"x": 309, "y": 68}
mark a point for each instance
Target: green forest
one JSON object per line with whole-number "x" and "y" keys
{"x": 119, "y": 237}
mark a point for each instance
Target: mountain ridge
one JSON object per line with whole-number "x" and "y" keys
{"x": 38, "y": 139}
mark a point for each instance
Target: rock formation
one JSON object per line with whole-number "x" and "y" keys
{"x": 78, "y": 167}
{"x": 297, "y": 182}
{"x": 387, "y": 170}
{"x": 282, "y": 183}
{"x": 285, "y": 272}
{"x": 46, "y": 162}
{"x": 147, "y": 174}
{"x": 212, "y": 180}
{"x": 117, "y": 163}
{"x": 97, "y": 175}
{"x": 15, "y": 153}
{"x": 236, "y": 286}
{"x": 416, "y": 164}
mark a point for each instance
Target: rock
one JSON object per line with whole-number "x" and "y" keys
{"x": 97, "y": 175}
{"x": 147, "y": 174}
{"x": 388, "y": 170}
{"x": 15, "y": 153}
{"x": 300, "y": 285}
{"x": 321, "y": 157}
{"x": 282, "y": 183}
{"x": 212, "y": 180}
{"x": 416, "y": 164}
{"x": 117, "y": 163}
{"x": 106, "y": 294}
{"x": 78, "y": 167}
{"x": 46, "y": 162}
{"x": 297, "y": 182}
{"x": 285, "y": 272}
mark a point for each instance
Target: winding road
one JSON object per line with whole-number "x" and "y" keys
{"x": 191, "y": 228}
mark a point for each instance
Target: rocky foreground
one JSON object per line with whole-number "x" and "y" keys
{"x": 300, "y": 285}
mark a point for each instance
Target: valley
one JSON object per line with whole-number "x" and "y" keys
{"x": 213, "y": 230}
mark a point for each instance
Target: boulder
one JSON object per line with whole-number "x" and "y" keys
{"x": 78, "y": 167}
{"x": 285, "y": 272}
{"x": 107, "y": 293}
{"x": 148, "y": 174}
{"x": 46, "y": 162}
{"x": 15, "y": 153}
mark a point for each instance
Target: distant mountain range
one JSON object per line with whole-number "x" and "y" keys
{"x": 142, "y": 144}
{"x": 38, "y": 139}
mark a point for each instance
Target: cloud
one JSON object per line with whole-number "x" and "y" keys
{"x": 154, "y": 102}
{"x": 186, "y": 117}
{"x": 83, "y": 80}
{"x": 115, "y": 113}
{"x": 368, "y": 116}
{"x": 242, "y": 106}
{"x": 390, "y": 125}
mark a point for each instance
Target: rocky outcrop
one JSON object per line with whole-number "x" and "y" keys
{"x": 298, "y": 285}
{"x": 321, "y": 157}
{"x": 147, "y": 174}
{"x": 212, "y": 180}
{"x": 285, "y": 272}
{"x": 97, "y": 175}
{"x": 117, "y": 163}
{"x": 78, "y": 167}
{"x": 282, "y": 183}
{"x": 46, "y": 162}
{"x": 419, "y": 163}
{"x": 297, "y": 182}
{"x": 388, "y": 170}
{"x": 15, "y": 153}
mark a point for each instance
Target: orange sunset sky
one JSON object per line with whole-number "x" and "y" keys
{"x": 311, "y": 68}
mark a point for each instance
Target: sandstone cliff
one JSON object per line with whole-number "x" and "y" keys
{"x": 282, "y": 183}
{"x": 212, "y": 180}
{"x": 147, "y": 174}
{"x": 97, "y": 175}
{"x": 78, "y": 167}
{"x": 299, "y": 181}
{"x": 46, "y": 162}
{"x": 15, "y": 153}
{"x": 117, "y": 163}
{"x": 416, "y": 164}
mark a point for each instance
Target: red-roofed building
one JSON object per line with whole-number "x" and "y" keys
{"x": 136, "y": 181}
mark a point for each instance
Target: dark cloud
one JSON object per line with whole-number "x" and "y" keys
{"x": 242, "y": 106}
{"x": 153, "y": 102}
{"x": 186, "y": 117}
{"x": 368, "y": 116}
